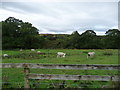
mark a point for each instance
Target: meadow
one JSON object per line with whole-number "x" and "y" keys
{"x": 14, "y": 78}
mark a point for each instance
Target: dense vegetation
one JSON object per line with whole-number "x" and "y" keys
{"x": 19, "y": 34}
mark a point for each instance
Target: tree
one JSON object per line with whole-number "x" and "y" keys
{"x": 27, "y": 34}
{"x": 19, "y": 34}
{"x": 89, "y": 33}
{"x": 112, "y": 38}
{"x": 9, "y": 32}
{"x": 75, "y": 40}
{"x": 113, "y": 32}
{"x": 88, "y": 40}
{"x": 63, "y": 42}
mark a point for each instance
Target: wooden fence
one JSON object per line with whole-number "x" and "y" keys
{"x": 28, "y": 75}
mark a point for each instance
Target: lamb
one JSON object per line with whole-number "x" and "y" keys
{"x": 38, "y": 52}
{"x": 90, "y": 54}
{"x": 41, "y": 53}
{"x": 5, "y": 55}
{"x": 32, "y": 49}
{"x": 61, "y": 54}
{"x": 21, "y": 50}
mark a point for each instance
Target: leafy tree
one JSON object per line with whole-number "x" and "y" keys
{"x": 113, "y": 32}
{"x": 112, "y": 38}
{"x": 56, "y": 41}
{"x": 28, "y": 35}
{"x": 74, "y": 40}
{"x": 63, "y": 42}
{"x": 88, "y": 39}
{"x": 89, "y": 33}
{"x": 9, "y": 32}
{"x": 19, "y": 34}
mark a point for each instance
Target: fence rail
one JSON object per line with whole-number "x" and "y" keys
{"x": 73, "y": 77}
{"x": 28, "y": 75}
{"x": 61, "y": 66}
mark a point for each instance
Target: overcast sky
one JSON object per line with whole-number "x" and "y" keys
{"x": 64, "y": 17}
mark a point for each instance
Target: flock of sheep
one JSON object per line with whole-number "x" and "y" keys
{"x": 59, "y": 54}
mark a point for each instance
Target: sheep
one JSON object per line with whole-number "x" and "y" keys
{"x": 32, "y": 49}
{"x": 5, "y": 55}
{"x": 21, "y": 50}
{"x": 61, "y": 54}
{"x": 39, "y": 52}
{"x": 90, "y": 54}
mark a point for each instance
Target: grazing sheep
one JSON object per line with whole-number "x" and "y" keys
{"x": 39, "y": 52}
{"x": 5, "y": 55}
{"x": 61, "y": 54}
{"x": 90, "y": 54}
{"x": 32, "y": 49}
{"x": 21, "y": 50}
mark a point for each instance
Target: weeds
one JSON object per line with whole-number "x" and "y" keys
{"x": 107, "y": 53}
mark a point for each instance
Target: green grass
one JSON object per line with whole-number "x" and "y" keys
{"x": 17, "y": 80}
{"x": 74, "y": 56}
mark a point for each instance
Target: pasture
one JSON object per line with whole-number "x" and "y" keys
{"x": 13, "y": 78}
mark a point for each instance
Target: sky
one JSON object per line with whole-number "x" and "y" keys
{"x": 64, "y": 17}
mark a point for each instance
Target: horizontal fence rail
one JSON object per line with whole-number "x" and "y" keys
{"x": 73, "y": 77}
{"x": 61, "y": 66}
{"x": 28, "y": 75}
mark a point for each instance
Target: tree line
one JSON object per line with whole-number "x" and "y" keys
{"x": 17, "y": 34}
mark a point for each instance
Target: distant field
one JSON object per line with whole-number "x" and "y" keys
{"x": 73, "y": 56}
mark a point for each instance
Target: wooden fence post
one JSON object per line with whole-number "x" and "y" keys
{"x": 26, "y": 72}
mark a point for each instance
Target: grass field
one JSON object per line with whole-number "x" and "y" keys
{"x": 73, "y": 56}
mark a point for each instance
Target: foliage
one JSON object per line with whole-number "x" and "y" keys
{"x": 88, "y": 39}
{"x": 112, "y": 38}
{"x": 74, "y": 40}
{"x": 19, "y": 34}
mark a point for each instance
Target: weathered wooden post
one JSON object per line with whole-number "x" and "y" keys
{"x": 26, "y": 72}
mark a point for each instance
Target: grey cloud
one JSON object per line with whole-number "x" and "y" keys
{"x": 14, "y": 7}
{"x": 67, "y": 17}
{"x": 29, "y": 7}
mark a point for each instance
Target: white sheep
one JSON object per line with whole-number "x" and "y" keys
{"x": 61, "y": 54}
{"x": 32, "y": 49}
{"x": 5, "y": 55}
{"x": 38, "y": 52}
{"x": 90, "y": 54}
{"x": 21, "y": 50}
